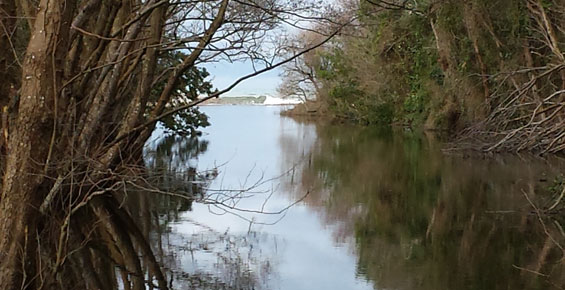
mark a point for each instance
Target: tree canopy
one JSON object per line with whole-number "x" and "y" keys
{"x": 83, "y": 85}
{"x": 491, "y": 72}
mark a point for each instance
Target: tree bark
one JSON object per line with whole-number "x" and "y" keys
{"x": 22, "y": 190}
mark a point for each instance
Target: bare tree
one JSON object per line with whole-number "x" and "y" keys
{"x": 531, "y": 116}
{"x": 299, "y": 76}
{"x": 90, "y": 87}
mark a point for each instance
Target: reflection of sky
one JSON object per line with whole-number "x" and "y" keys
{"x": 223, "y": 74}
{"x": 248, "y": 140}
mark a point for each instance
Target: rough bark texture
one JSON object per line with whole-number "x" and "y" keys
{"x": 90, "y": 89}
{"x": 27, "y": 149}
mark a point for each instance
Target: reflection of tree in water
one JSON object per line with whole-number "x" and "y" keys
{"x": 422, "y": 220}
{"x": 171, "y": 185}
{"x": 237, "y": 261}
{"x": 172, "y": 170}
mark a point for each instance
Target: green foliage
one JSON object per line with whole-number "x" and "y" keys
{"x": 185, "y": 123}
{"x": 414, "y": 106}
{"x": 438, "y": 68}
{"x": 192, "y": 84}
{"x": 400, "y": 47}
{"x": 382, "y": 114}
{"x": 333, "y": 65}
{"x": 557, "y": 185}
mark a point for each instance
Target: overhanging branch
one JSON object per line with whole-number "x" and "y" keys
{"x": 229, "y": 88}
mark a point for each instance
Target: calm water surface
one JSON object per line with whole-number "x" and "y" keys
{"x": 376, "y": 210}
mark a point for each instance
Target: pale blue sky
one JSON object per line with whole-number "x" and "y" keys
{"x": 224, "y": 74}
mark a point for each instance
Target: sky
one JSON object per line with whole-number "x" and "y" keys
{"x": 223, "y": 74}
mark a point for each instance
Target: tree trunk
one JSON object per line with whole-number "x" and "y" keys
{"x": 473, "y": 31}
{"x": 91, "y": 87}
{"x": 23, "y": 181}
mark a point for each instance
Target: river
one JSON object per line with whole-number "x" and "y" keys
{"x": 298, "y": 205}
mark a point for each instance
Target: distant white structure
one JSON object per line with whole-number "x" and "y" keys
{"x": 269, "y": 100}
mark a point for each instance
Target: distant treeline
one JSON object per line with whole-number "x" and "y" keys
{"x": 236, "y": 100}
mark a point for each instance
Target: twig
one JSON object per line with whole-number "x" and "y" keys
{"x": 540, "y": 219}
{"x": 558, "y": 200}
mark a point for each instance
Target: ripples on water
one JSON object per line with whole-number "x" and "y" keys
{"x": 384, "y": 210}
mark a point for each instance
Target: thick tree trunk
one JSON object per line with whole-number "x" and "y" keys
{"x": 21, "y": 193}
{"x": 89, "y": 78}
{"x": 24, "y": 183}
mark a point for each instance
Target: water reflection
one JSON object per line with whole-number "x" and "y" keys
{"x": 174, "y": 184}
{"x": 385, "y": 210}
{"x": 423, "y": 220}
{"x": 295, "y": 253}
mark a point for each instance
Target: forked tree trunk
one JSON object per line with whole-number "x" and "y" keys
{"x": 50, "y": 121}
{"x": 92, "y": 88}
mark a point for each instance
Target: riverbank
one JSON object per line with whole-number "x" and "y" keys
{"x": 317, "y": 111}
{"x": 308, "y": 109}
{"x": 489, "y": 71}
